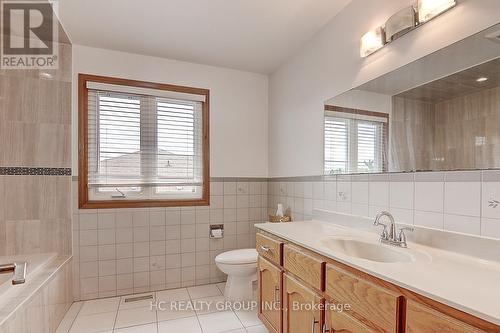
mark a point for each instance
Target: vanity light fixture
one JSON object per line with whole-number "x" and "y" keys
{"x": 482, "y": 79}
{"x": 428, "y": 9}
{"x": 372, "y": 41}
{"x": 402, "y": 22}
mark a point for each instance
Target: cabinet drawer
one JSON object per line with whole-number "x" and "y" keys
{"x": 422, "y": 319}
{"x": 343, "y": 323}
{"x": 269, "y": 248}
{"x": 307, "y": 267}
{"x": 377, "y": 305}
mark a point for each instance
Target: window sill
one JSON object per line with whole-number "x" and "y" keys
{"x": 104, "y": 204}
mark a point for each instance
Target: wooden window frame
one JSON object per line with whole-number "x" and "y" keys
{"x": 83, "y": 194}
{"x": 385, "y": 158}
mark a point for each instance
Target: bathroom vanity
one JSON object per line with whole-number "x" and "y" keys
{"x": 321, "y": 277}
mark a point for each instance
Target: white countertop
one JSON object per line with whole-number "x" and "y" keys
{"x": 463, "y": 282}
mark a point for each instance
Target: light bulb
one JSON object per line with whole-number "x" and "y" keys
{"x": 428, "y": 9}
{"x": 371, "y": 41}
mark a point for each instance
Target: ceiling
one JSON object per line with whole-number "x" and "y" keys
{"x": 252, "y": 35}
{"x": 458, "y": 84}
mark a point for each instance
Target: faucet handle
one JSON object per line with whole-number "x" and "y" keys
{"x": 401, "y": 230}
{"x": 402, "y": 236}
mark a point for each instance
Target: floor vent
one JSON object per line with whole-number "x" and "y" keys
{"x": 138, "y": 298}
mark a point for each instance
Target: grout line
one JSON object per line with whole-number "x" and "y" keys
{"x": 116, "y": 315}
{"x": 76, "y": 316}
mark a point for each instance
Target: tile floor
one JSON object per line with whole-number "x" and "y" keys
{"x": 117, "y": 315}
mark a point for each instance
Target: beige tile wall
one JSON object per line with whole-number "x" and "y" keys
{"x": 35, "y": 132}
{"x": 124, "y": 251}
{"x": 458, "y": 134}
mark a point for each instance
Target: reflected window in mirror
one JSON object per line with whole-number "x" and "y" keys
{"x": 355, "y": 141}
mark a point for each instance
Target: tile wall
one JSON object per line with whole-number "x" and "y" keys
{"x": 466, "y": 202}
{"x": 35, "y": 158}
{"x": 124, "y": 251}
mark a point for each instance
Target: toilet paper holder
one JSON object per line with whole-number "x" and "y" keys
{"x": 216, "y": 231}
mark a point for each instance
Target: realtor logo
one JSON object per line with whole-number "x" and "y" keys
{"x": 29, "y": 35}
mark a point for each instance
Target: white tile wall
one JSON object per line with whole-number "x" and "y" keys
{"x": 466, "y": 202}
{"x": 138, "y": 250}
{"x": 123, "y": 251}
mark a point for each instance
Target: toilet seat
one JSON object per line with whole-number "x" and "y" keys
{"x": 237, "y": 257}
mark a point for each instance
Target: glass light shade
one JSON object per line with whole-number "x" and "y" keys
{"x": 428, "y": 9}
{"x": 372, "y": 41}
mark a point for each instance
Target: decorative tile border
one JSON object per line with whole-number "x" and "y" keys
{"x": 36, "y": 171}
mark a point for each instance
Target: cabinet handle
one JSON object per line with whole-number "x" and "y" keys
{"x": 325, "y": 330}
{"x": 313, "y": 325}
{"x": 265, "y": 248}
{"x": 276, "y": 290}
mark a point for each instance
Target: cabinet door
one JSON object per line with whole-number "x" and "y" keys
{"x": 269, "y": 294}
{"x": 338, "y": 322}
{"x": 302, "y": 313}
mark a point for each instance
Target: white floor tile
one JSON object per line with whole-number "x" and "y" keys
{"x": 184, "y": 325}
{"x": 100, "y": 322}
{"x": 137, "y": 304}
{"x": 209, "y": 304}
{"x": 257, "y": 329}
{"x": 150, "y": 328}
{"x": 172, "y": 295}
{"x": 248, "y": 318}
{"x": 208, "y": 290}
{"x": 69, "y": 318}
{"x": 100, "y": 306}
{"x": 175, "y": 310}
{"x": 219, "y": 322}
{"x": 136, "y": 316}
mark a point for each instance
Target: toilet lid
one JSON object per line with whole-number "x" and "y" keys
{"x": 243, "y": 256}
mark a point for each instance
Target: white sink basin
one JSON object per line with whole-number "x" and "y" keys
{"x": 367, "y": 250}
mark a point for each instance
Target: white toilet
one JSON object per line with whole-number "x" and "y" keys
{"x": 241, "y": 269}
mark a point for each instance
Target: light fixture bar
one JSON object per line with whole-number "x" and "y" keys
{"x": 403, "y": 22}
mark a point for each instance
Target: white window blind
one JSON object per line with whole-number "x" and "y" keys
{"x": 144, "y": 146}
{"x": 354, "y": 143}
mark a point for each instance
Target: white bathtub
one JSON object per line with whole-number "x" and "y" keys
{"x": 35, "y": 262}
{"x": 46, "y": 294}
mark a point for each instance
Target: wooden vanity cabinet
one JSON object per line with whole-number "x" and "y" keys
{"x": 302, "y": 307}
{"x": 423, "y": 319}
{"x": 269, "y": 295}
{"x": 310, "y": 288}
{"x": 339, "y": 322}
{"x": 378, "y": 307}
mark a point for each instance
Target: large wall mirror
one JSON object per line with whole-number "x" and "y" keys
{"x": 441, "y": 112}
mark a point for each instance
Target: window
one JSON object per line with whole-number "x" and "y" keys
{"x": 355, "y": 141}
{"x": 142, "y": 144}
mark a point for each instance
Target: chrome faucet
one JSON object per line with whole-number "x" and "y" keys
{"x": 390, "y": 236}
{"x": 19, "y": 269}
